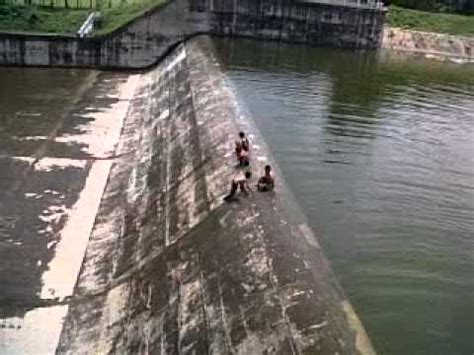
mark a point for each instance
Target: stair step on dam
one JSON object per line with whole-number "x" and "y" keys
{"x": 169, "y": 268}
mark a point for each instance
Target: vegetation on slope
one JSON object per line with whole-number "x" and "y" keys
{"x": 40, "y": 19}
{"x": 431, "y": 22}
{"x": 66, "y": 16}
{"x": 460, "y": 6}
{"x": 115, "y": 17}
{"x": 31, "y": 19}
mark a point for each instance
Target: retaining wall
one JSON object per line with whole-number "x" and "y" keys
{"x": 172, "y": 269}
{"x": 433, "y": 45}
{"x": 150, "y": 37}
{"x": 297, "y": 21}
{"x": 140, "y": 44}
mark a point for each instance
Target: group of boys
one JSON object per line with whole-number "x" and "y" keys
{"x": 242, "y": 179}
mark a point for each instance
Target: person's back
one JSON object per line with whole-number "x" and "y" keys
{"x": 244, "y": 159}
{"x": 245, "y": 144}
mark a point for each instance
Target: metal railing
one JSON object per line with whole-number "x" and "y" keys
{"x": 88, "y": 25}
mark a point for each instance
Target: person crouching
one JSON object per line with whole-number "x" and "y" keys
{"x": 241, "y": 181}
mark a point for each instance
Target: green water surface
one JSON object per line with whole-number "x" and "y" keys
{"x": 379, "y": 151}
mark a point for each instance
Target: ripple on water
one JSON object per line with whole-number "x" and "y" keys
{"x": 381, "y": 158}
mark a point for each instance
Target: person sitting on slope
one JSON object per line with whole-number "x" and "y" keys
{"x": 266, "y": 182}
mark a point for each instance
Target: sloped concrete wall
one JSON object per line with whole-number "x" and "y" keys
{"x": 149, "y": 38}
{"x": 172, "y": 269}
{"x": 138, "y": 45}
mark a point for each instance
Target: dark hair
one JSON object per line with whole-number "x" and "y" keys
{"x": 268, "y": 168}
{"x": 248, "y": 174}
{"x": 241, "y": 134}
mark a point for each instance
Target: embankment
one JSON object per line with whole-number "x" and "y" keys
{"x": 169, "y": 268}
{"x": 146, "y": 40}
{"x": 432, "y": 45}
{"x": 139, "y": 44}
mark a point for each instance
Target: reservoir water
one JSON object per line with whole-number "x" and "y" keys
{"x": 379, "y": 151}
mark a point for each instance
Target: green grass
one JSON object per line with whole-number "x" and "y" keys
{"x": 31, "y": 19}
{"x": 116, "y": 17}
{"x": 69, "y": 4}
{"x": 431, "y": 22}
{"x": 67, "y": 21}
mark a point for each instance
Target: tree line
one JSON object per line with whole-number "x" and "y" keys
{"x": 460, "y": 6}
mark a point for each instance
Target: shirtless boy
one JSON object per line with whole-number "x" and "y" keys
{"x": 240, "y": 181}
{"x": 266, "y": 182}
{"x": 242, "y": 148}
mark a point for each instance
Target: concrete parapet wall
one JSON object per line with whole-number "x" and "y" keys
{"x": 172, "y": 269}
{"x": 149, "y": 38}
{"x": 298, "y": 22}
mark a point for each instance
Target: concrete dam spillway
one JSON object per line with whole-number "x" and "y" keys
{"x": 169, "y": 268}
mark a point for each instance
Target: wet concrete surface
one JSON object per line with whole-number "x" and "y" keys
{"x": 48, "y": 148}
{"x": 125, "y": 246}
{"x": 170, "y": 268}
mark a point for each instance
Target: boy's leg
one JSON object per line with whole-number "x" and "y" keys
{"x": 243, "y": 189}
{"x": 233, "y": 190}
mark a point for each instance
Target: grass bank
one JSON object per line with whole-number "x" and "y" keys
{"x": 67, "y": 21}
{"x": 118, "y": 16}
{"x": 462, "y": 25}
{"x": 32, "y": 19}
